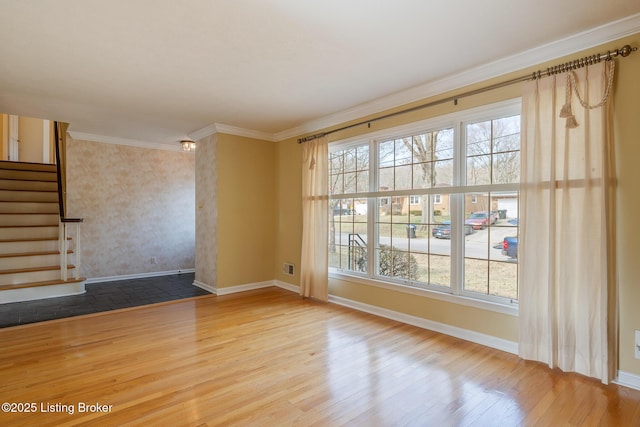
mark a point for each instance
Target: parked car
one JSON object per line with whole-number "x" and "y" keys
{"x": 443, "y": 230}
{"x": 480, "y": 220}
{"x": 510, "y": 247}
{"x": 342, "y": 211}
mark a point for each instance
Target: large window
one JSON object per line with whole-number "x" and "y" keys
{"x": 431, "y": 206}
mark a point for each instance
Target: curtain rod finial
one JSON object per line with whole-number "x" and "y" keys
{"x": 626, "y": 50}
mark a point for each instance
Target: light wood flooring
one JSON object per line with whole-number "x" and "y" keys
{"x": 269, "y": 358}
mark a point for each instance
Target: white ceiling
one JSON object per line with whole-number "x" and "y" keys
{"x": 156, "y": 70}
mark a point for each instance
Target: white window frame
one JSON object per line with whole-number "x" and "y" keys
{"x": 457, "y": 121}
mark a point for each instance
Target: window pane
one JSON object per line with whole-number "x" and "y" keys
{"x": 335, "y": 163}
{"x": 334, "y": 257}
{"x": 350, "y": 160}
{"x": 336, "y": 184}
{"x": 362, "y": 181}
{"x": 506, "y": 134}
{"x": 360, "y": 208}
{"x": 403, "y": 177}
{"x": 503, "y": 279}
{"x": 479, "y": 170}
{"x": 444, "y": 145}
{"x": 400, "y": 209}
{"x": 384, "y": 209}
{"x": 476, "y": 276}
{"x": 385, "y": 179}
{"x": 422, "y": 267}
{"x": 348, "y": 234}
{"x": 348, "y": 170}
{"x": 349, "y": 182}
{"x": 422, "y": 175}
{"x": 423, "y": 148}
{"x": 403, "y": 151}
{"x": 506, "y": 168}
{"x": 489, "y": 268}
{"x": 440, "y": 270}
{"x": 386, "y": 152}
{"x": 399, "y": 236}
{"x": 362, "y": 157}
{"x": 479, "y": 138}
{"x": 443, "y": 173}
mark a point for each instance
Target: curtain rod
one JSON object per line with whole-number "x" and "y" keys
{"x": 624, "y": 51}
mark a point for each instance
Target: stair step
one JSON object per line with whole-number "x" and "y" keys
{"x": 16, "y": 261}
{"x": 26, "y": 175}
{"x": 28, "y": 196}
{"x": 28, "y": 245}
{"x": 26, "y": 232}
{"x": 46, "y": 167}
{"x": 27, "y": 275}
{"x": 42, "y": 283}
{"x": 8, "y": 184}
{"x": 12, "y": 220}
{"x": 28, "y": 207}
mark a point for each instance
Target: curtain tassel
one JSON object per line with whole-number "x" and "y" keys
{"x": 571, "y": 122}
{"x": 565, "y": 111}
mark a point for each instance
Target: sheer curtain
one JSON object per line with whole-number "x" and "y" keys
{"x": 315, "y": 205}
{"x": 566, "y": 274}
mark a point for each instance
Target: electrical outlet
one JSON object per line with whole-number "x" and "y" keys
{"x": 154, "y": 260}
{"x": 637, "y": 345}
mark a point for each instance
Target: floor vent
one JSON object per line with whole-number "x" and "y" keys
{"x": 288, "y": 269}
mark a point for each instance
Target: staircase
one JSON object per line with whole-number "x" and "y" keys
{"x": 31, "y": 265}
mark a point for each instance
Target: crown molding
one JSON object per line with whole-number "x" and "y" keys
{"x": 578, "y": 42}
{"x": 231, "y": 130}
{"x": 203, "y": 132}
{"x": 123, "y": 141}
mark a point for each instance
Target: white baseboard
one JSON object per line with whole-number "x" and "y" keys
{"x": 454, "y": 331}
{"x": 628, "y": 379}
{"x": 244, "y": 288}
{"x": 287, "y": 286}
{"x": 138, "y": 275}
{"x": 42, "y": 292}
{"x": 206, "y": 287}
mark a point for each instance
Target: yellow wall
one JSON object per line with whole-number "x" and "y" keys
{"x": 52, "y": 142}
{"x": 30, "y": 134}
{"x": 503, "y": 326}
{"x": 3, "y": 136}
{"x": 246, "y": 210}
{"x": 626, "y": 116}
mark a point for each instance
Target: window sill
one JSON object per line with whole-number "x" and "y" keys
{"x": 509, "y": 309}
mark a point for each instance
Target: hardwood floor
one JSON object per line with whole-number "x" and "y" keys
{"x": 269, "y": 358}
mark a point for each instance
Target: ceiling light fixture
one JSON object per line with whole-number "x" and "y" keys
{"x": 188, "y": 145}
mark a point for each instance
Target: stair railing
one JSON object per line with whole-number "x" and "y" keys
{"x": 357, "y": 254}
{"x": 66, "y": 223}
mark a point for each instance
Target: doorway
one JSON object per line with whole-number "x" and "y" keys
{"x": 26, "y": 139}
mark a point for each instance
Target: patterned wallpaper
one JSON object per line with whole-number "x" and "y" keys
{"x": 137, "y": 203}
{"x": 207, "y": 212}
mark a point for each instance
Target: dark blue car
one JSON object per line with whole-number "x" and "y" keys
{"x": 443, "y": 230}
{"x": 510, "y": 247}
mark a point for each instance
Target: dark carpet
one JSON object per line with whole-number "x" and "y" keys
{"x": 102, "y": 297}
